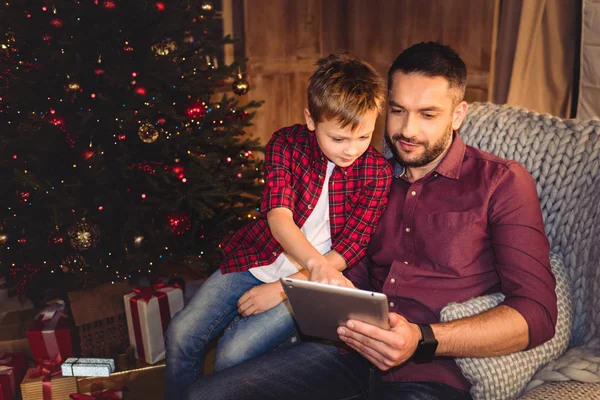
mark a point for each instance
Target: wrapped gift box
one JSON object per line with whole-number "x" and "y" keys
{"x": 141, "y": 382}
{"x": 149, "y": 311}
{"x": 60, "y": 387}
{"x": 88, "y": 367}
{"x": 12, "y": 370}
{"x": 50, "y": 334}
{"x": 13, "y": 331}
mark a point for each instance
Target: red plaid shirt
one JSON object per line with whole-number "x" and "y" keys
{"x": 295, "y": 169}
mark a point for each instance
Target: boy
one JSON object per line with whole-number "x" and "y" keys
{"x": 325, "y": 189}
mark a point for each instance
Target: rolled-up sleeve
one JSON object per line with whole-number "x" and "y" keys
{"x": 521, "y": 251}
{"x": 278, "y": 190}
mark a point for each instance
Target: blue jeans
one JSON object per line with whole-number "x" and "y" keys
{"x": 312, "y": 371}
{"x": 212, "y": 310}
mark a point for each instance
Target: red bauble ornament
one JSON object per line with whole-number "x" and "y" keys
{"x": 23, "y": 196}
{"x": 179, "y": 223}
{"x": 88, "y": 153}
{"x": 178, "y": 170}
{"x": 196, "y": 111}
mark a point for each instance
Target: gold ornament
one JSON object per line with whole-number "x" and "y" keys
{"x": 72, "y": 87}
{"x": 207, "y": 7}
{"x": 188, "y": 37}
{"x": 83, "y": 235}
{"x": 147, "y": 132}
{"x": 240, "y": 86}
{"x": 164, "y": 47}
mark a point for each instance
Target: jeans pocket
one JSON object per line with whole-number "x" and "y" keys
{"x": 449, "y": 238}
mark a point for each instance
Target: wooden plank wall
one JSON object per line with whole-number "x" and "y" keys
{"x": 284, "y": 38}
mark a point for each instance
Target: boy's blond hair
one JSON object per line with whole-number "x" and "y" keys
{"x": 344, "y": 88}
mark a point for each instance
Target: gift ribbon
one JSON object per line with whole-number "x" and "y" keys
{"x": 50, "y": 316}
{"x": 145, "y": 294}
{"x": 109, "y": 394}
{"x": 47, "y": 369}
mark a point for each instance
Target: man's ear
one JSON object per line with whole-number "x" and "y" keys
{"x": 309, "y": 121}
{"x": 459, "y": 114}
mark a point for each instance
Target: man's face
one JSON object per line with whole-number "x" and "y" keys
{"x": 343, "y": 146}
{"x": 420, "y": 118}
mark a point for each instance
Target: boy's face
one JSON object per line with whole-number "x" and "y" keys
{"x": 342, "y": 146}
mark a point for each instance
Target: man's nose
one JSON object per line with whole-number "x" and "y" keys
{"x": 411, "y": 127}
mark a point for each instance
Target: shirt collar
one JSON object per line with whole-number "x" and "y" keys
{"x": 450, "y": 164}
{"x": 452, "y": 161}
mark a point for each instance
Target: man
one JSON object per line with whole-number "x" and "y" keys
{"x": 459, "y": 223}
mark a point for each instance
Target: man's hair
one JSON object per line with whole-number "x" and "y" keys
{"x": 432, "y": 59}
{"x": 344, "y": 88}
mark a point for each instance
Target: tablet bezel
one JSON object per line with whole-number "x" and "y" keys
{"x": 319, "y": 309}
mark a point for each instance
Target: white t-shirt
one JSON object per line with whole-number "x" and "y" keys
{"x": 316, "y": 229}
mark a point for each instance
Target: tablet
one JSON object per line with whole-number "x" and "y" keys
{"x": 319, "y": 309}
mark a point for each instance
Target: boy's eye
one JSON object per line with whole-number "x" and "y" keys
{"x": 337, "y": 140}
{"x": 397, "y": 111}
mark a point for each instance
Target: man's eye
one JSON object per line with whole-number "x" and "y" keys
{"x": 429, "y": 116}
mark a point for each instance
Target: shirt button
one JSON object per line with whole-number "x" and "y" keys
{"x": 413, "y": 193}
{"x": 255, "y": 262}
{"x": 392, "y": 304}
{"x": 392, "y": 280}
{"x": 406, "y": 262}
{"x": 435, "y": 175}
{"x": 345, "y": 172}
{"x": 407, "y": 229}
{"x": 310, "y": 207}
{"x": 274, "y": 253}
{"x": 320, "y": 176}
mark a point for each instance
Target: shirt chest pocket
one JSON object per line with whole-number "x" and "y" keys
{"x": 449, "y": 239}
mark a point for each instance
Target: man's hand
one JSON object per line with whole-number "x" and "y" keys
{"x": 260, "y": 298}
{"x": 327, "y": 274}
{"x": 385, "y": 349}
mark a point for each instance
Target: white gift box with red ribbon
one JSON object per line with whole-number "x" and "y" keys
{"x": 149, "y": 311}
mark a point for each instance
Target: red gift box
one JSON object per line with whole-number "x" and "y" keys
{"x": 50, "y": 334}
{"x": 12, "y": 370}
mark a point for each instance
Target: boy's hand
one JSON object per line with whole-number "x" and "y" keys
{"x": 260, "y": 298}
{"x": 385, "y": 349}
{"x": 328, "y": 275}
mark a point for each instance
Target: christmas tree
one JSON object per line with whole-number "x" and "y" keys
{"x": 122, "y": 148}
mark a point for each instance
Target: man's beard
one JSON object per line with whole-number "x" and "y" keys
{"x": 430, "y": 153}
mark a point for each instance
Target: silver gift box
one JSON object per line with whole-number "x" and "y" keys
{"x": 88, "y": 367}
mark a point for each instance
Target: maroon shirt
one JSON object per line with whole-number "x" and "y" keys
{"x": 472, "y": 226}
{"x": 295, "y": 169}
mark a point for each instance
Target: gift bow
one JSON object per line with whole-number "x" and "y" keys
{"x": 146, "y": 292}
{"x": 54, "y": 307}
{"x": 109, "y": 394}
{"x": 47, "y": 368}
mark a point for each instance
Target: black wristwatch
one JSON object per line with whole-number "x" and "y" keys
{"x": 427, "y": 345}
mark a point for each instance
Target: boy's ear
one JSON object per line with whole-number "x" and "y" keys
{"x": 309, "y": 121}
